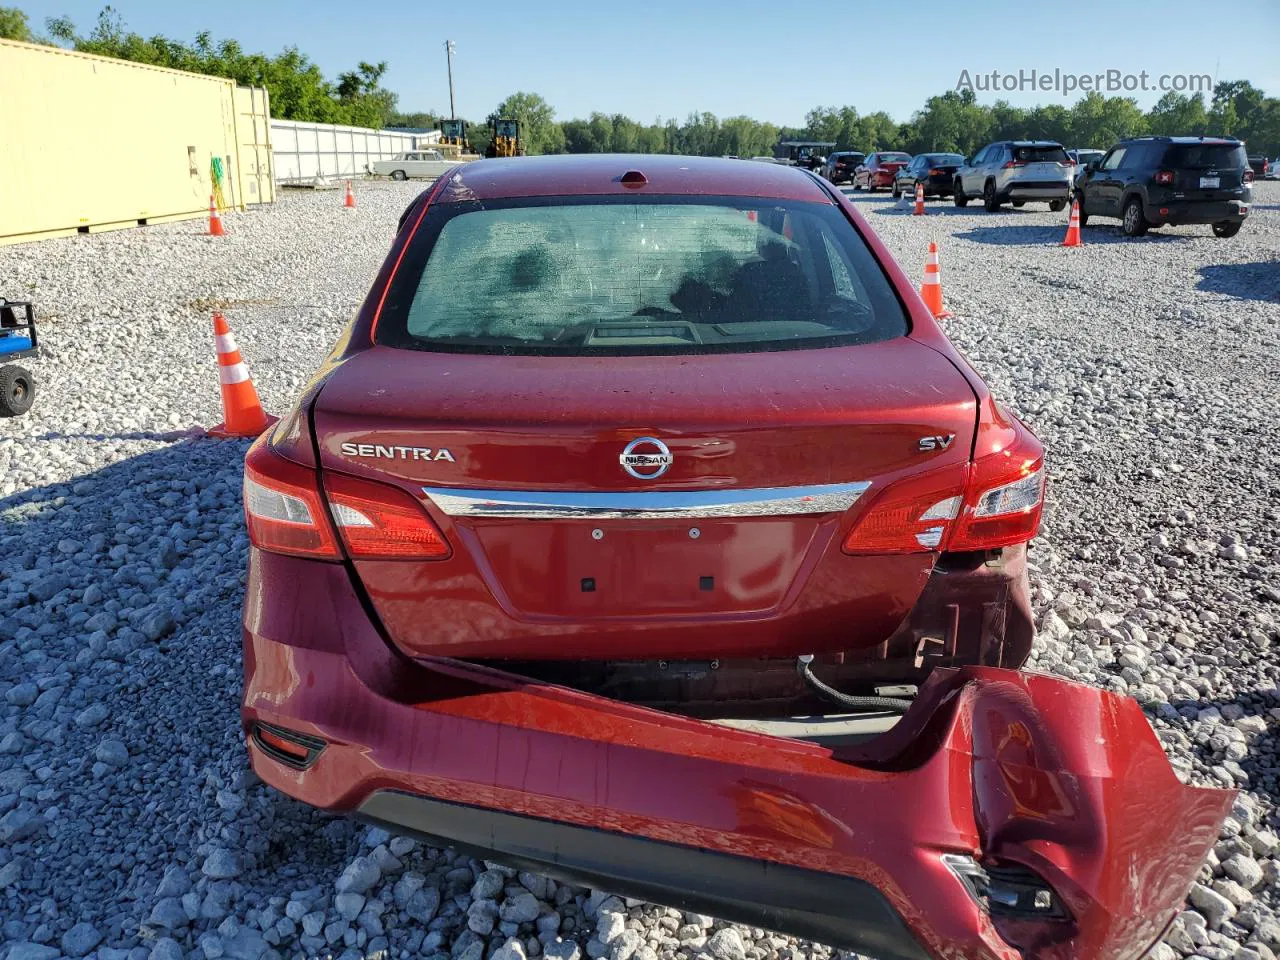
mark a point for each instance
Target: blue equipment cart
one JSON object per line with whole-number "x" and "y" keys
{"x": 18, "y": 340}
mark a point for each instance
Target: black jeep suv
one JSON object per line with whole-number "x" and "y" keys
{"x": 1153, "y": 181}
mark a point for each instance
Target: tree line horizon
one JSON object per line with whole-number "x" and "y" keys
{"x": 952, "y": 122}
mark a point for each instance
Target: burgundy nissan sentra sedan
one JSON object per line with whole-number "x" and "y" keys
{"x": 644, "y": 529}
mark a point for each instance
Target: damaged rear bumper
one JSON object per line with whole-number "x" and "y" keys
{"x": 855, "y": 846}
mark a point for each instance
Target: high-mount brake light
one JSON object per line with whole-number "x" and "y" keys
{"x": 379, "y": 521}
{"x": 282, "y": 506}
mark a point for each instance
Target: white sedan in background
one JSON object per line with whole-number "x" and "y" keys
{"x": 415, "y": 163}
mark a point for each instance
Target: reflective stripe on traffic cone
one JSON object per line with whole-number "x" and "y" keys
{"x": 1073, "y": 227}
{"x": 919, "y": 210}
{"x": 931, "y": 289}
{"x": 241, "y": 408}
{"x": 350, "y": 200}
{"x": 215, "y": 221}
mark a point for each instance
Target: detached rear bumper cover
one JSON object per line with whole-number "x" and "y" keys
{"x": 1002, "y": 766}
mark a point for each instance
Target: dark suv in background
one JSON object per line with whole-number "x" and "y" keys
{"x": 1153, "y": 181}
{"x": 840, "y": 166}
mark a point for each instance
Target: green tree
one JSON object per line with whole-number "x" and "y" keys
{"x": 538, "y": 127}
{"x": 419, "y": 119}
{"x": 1177, "y": 114}
{"x": 1100, "y": 121}
{"x": 298, "y": 89}
{"x": 14, "y": 25}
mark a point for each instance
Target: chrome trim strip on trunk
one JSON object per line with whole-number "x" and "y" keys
{"x": 646, "y": 505}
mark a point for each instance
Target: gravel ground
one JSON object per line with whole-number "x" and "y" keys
{"x": 130, "y": 826}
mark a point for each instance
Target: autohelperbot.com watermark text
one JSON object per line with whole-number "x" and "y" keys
{"x": 1066, "y": 83}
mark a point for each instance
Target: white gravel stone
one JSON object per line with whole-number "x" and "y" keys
{"x": 1244, "y": 870}
{"x": 80, "y": 939}
{"x": 124, "y": 530}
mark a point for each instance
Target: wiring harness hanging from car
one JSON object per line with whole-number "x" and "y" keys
{"x": 859, "y": 704}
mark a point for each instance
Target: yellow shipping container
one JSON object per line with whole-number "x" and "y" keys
{"x": 89, "y": 143}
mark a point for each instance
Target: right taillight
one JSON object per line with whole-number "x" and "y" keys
{"x": 911, "y": 516}
{"x": 994, "y": 501}
{"x": 1005, "y": 495}
{"x": 282, "y": 506}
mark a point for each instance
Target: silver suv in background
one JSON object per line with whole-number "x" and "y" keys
{"x": 1016, "y": 171}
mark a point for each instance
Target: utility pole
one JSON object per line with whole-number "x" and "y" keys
{"x": 448, "y": 52}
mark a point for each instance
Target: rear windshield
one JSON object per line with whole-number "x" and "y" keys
{"x": 944, "y": 159}
{"x": 1040, "y": 154}
{"x": 583, "y": 275}
{"x": 894, "y": 157}
{"x": 1205, "y": 156}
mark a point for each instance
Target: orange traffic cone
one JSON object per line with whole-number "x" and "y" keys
{"x": 1073, "y": 227}
{"x": 215, "y": 221}
{"x": 931, "y": 289}
{"x": 349, "y": 201}
{"x": 240, "y": 404}
{"x": 919, "y": 210}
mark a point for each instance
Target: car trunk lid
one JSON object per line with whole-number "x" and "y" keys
{"x": 519, "y": 461}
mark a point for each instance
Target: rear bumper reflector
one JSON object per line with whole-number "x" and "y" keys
{"x": 665, "y": 504}
{"x": 295, "y": 750}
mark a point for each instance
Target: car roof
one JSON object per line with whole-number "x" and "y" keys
{"x": 598, "y": 174}
{"x": 1213, "y": 140}
{"x": 1032, "y": 143}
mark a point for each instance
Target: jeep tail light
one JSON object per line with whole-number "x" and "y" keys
{"x": 282, "y": 506}
{"x": 379, "y": 521}
{"x": 1248, "y": 175}
{"x": 1165, "y": 178}
{"x": 995, "y": 501}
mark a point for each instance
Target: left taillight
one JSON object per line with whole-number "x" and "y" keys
{"x": 286, "y": 513}
{"x": 282, "y": 506}
{"x": 380, "y": 521}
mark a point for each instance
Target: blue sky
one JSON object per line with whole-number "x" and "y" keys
{"x": 769, "y": 60}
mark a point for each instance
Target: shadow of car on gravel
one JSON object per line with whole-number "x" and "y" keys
{"x": 1244, "y": 281}
{"x": 945, "y": 210}
{"x": 121, "y": 592}
{"x": 1048, "y": 236}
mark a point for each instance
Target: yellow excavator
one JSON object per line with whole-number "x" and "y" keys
{"x": 506, "y": 139}
{"x": 453, "y": 141}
